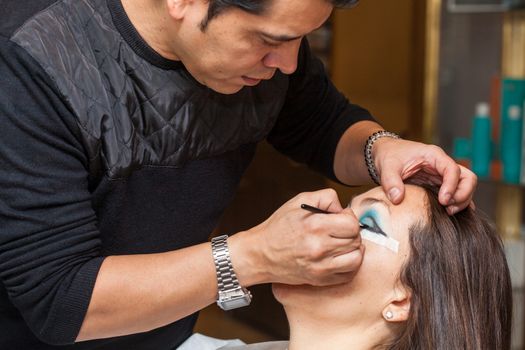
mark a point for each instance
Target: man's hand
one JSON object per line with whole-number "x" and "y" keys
{"x": 397, "y": 160}
{"x": 295, "y": 246}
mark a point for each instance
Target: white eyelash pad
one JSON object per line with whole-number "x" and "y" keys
{"x": 386, "y": 242}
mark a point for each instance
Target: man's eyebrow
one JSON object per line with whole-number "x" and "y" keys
{"x": 284, "y": 37}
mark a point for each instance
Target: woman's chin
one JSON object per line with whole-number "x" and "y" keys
{"x": 283, "y": 292}
{"x": 286, "y": 293}
{"x": 279, "y": 291}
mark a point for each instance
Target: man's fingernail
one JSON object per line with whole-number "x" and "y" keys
{"x": 447, "y": 198}
{"x": 393, "y": 194}
{"x": 452, "y": 209}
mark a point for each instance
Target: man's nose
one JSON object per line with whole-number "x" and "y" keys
{"x": 284, "y": 57}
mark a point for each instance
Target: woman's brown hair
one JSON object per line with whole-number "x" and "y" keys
{"x": 461, "y": 294}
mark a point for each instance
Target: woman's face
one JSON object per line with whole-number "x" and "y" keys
{"x": 376, "y": 284}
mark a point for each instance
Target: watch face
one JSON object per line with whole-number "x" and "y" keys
{"x": 235, "y": 303}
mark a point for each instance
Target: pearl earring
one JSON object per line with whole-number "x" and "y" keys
{"x": 389, "y": 315}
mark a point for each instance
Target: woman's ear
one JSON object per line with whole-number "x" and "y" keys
{"x": 177, "y": 8}
{"x": 399, "y": 307}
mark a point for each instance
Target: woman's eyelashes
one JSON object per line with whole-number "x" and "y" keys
{"x": 371, "y": 224}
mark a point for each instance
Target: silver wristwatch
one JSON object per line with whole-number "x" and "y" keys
{"x": 231, "y": 295}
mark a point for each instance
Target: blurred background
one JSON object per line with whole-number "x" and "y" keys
{"x": 446, "y": 72}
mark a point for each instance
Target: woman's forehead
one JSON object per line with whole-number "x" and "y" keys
{"x": 414, "y": 195}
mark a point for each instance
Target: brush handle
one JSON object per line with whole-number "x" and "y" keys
{"x": 316, "y": 210}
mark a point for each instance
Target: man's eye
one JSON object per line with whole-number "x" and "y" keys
{"x": 372, "y": 225}
{"x": 270, "y": 43}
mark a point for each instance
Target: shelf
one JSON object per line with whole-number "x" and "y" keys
{"x": 487, "y": 182}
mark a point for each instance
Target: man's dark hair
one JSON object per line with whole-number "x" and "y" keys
{"x": 255, "y": 7}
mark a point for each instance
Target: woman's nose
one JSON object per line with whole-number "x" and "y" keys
{"x": 284, "y": 57}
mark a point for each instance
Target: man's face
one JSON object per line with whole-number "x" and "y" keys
{"x": 239, "y": 49}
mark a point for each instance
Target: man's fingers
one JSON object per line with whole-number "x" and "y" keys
{"x": 348, "y": 262}
{"x": 342, "y": 225}
{"x": 464, "y": 191}
{"x": 392, "y": 183}
{"x": 467, "y": 183}
{"x": 342, "y": 268}
{"x": 449, "y": 170}
{"x": 457, "y": 184}
{"x": 310, "y": 247}
{"x": 428, "y": 163}
{"x": 317, "y": 249}
{"x": 325, "y": 199}
{"x": 338, "y": 246}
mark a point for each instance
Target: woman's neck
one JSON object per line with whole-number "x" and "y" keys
{"x": 309, "y": 334}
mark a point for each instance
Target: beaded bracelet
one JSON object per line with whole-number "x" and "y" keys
{"x": 368, "y": 152}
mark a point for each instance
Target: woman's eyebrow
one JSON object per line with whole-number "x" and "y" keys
{"x": 371, "y": 200}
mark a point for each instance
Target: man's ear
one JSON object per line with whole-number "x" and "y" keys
{"x": 177, "y": 8}
{"x": 399, "y": 307}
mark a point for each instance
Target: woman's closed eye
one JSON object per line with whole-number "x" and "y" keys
{"x": 371, "y": 225}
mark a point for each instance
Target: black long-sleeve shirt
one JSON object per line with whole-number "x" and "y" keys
{"x": 95, "y": 162}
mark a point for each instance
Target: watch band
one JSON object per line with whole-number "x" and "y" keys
{"x": 226, "y": 277}
{"x": 230, "y": 294}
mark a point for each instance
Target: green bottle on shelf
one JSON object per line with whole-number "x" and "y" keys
{"x": 511, "y": 145}
{"x": 481, "y": 141}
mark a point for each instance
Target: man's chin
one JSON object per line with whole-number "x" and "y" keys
{"x": 226, "y": 89}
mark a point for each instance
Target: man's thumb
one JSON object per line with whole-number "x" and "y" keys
{"x": 393, "y": 186}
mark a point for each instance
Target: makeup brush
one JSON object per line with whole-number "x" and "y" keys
{"x": 316, "y": 210}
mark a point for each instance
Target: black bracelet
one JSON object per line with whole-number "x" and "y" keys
{"x": 368, "y": 152}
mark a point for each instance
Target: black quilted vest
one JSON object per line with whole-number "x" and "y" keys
{"x": 133, "y": 112}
